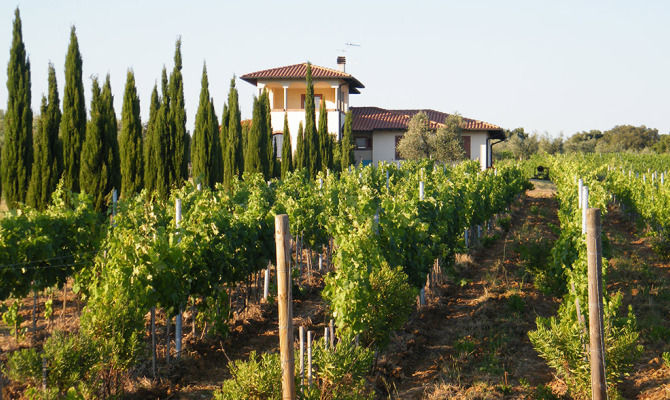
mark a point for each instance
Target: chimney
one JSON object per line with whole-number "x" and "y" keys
{"x": 341, "y": 63}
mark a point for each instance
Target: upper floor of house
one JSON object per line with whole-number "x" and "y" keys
{"x": 287, "y": 86}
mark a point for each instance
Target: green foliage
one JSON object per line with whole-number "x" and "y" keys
{"x": 12, "y": 318}
{"x": 162, "y": 139}
{"x": 257, "y": 158}
{"x": 627, "y": 138}
{"x": 299, "y": 162}
{"x": 42, "y": 249}
{"x": 325, "y": 141}
{"x": 666, "y": 358}
{"x": 73, "y": 124}
{"x": 17, "y": 150}
{"x": 233, "y": 160}
{"x": 178, "y": 142}
{"x": 99, "y": 173}
{"x": 583, "y": 142}
{"x": 518, "y": 145}
{"x": 312, "y": 145}
{"x": 414, "y": 144}
{"x": 25, "y": 366}
{"x": 47, "y": 158}
{"x": 151, "y": 144}
{"x": 347, "y": 143}
{"x": 337, "y": 374}
{"x": 130, "y": 141}
{"x": 444, "y": 144}
{"x": 206, "y": 151}
{"x": 341, "y": 372}
{"x": 663, "y": 144}
{"x": 536, "y": 254}
{"x": 562, "y": 340}
{"x": 447, "y": 142}
{"x": 366, "y": 296}
{"x": 78, "y": 366}
{"x": 286, "y": 150}
{"x": 259, "y": 378}
{"x": 271, "y": 151}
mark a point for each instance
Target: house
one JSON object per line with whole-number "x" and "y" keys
{"x": 376, "y": 130}
{"x": 286, "y": 88}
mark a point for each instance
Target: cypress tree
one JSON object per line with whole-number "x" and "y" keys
{"x": 276, "y": 165}
{"x": 256, "y": 159}
{"x": 286, "y": 150}
{"x": 324, "y": 139}
{"x": 270, "y": 148}
{"x": 177, "y": 118}
{"x": 299, "y": 160}
{"x": 347, "y": 143}
{"x": 206, "y": 153}
{"x": 113, "y": 158}
{"x": 18, "y": 146}
{"x": 233, "y": 160}
{"x": 217, "y": 155}
{"x": 46, "y": 160}
{"x": 73, "y": 123}
{"x": 96, "y": 176}
{"x": 150, "y": 141}
{"x": 312, "y": 147}
{"x": 223, "y": 139}
{"x": 164, "y": 165}
{"x": 130, "y": 142}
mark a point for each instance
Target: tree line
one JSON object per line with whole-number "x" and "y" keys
{"x": 97, "y": 154}
{"x": 621, "y": 138}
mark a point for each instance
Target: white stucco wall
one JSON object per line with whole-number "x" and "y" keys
{"x": 476, "y": 140}
{"x": 383, "y": 144}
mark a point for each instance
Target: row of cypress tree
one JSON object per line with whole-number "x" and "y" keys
{"x": 92, "y": 156}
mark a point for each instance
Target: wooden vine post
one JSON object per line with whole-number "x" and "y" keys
{"x": 285, "y": 306}
{"x": 594, "y": 256}
{"x": 178, "y": 318}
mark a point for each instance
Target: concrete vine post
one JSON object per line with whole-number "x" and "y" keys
{"x": 580, "y": 188}
{"x": 309, "y": 358}
{"x": 285, "y": 307}
{"x": 302, "y": 354}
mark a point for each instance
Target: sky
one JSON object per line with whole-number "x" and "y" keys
{"x": 555, "y": 67}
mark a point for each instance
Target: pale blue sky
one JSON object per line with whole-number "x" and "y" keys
{"x": 554, "y": 66}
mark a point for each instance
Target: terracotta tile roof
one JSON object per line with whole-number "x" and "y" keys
{"x": 299, "y": 71}
{"x": 375, "y": 118}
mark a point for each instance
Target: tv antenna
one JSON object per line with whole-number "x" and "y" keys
{"x": 350, "y": 44}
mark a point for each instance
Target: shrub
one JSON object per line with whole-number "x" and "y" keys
{"x": 72, "y": 365}
{"x": 25, "y": 366}
{"x": 562, "y": 342}
{"x": 341, "y": 372}
{"x": 337, "y": 374}
{"x": 257, "y": 378}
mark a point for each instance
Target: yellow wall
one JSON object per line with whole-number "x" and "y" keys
{"x": 295, "y": 95}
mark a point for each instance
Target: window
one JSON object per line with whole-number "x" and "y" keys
{"x": 362, "y": 143}
{"x": 317, "y": 101}
{"x": 466, "y": 147}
